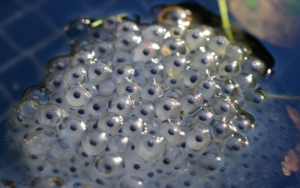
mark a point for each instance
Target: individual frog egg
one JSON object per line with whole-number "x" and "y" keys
{"x": 99, "y": 34}
{"x": 118, "y": 143}
{"x": 107, "y": 165}
{"x": 36, "y": 93}
{"x": 224, "y": 107}
{"x": 175, "y": 32}
{"x": 204, "y": 61}
{"x": 58, "y": 64}
{"x": 175, "y": 65}
{"x": 121, "y": 73}
{"x": 198, "y": 138}
{"x": 229, "y": 88}
{"x": 126, "y": 27}
{"x": 174, "y": 83}
{"x": 72, "y": 127}
{"x": 76, "y": 74}
{"x": 127, "y": 42}
{"x": 82, "y": 45}
{"x": 131, "y": 89}
{"x": 99, "y": 72}
{"x": 172, "y": 134}
{"x": 220, "y": 129}
{"x": 149, "y": 147}
{"x": 104, "y": 49}
{"x": 229, "y": 68}
{"x": 77, "y": 95}
{"x": 62, "y": 150}
{"x": 107, "y": 88}
{"x": 144, "y": 52}
{"x": 47, "y": 181}
{"x": 245, "y": 81}
{"x": 234, "y": 52}
{"x": 96, "y": 106}
{"x": 133, "y": 127}
{"x": 190, "y": 79}
{"x": 111, "y": 22}
{"x": 151, "y": 91}
{"x": 121, "y": 57}
{"x": 244, "y": 122}
{"x": 172, "y": 46}
{"x": 56, "y": 83}
{"x": 172, "y": 93}
{"x": 83, "y": 58}
{"x": 175, "y": 15}
{"x": 93, "y": 142}
{"x": 110, "y": 124}
{"x": 235, "y": 143}
{"x": 90, "y": 87}
{"x": 26, "y": 111}
{"x": 129, "y": 180}
{"x": 138, "y": 75}
{"x": 121, "y": 105}
{"x": 167, "y": 109}
{"x": 154, "y": 33}
{"x": 144, "y": 110}
{"x": 38, "y": 141}
{"x": 169, "y": 158}
{"x": 204, "y": 116}
{"x": 218, "y": 45}
{"x": 210, "y": 160}
{"x": 194, "y": 38}
{"x": 254, "y": 67}
{"x": 190, "y": 103}
{"x": 154, "y": 70}
{"x": 50, "y": 114}
{"x": 206, "y": 30}
{"x": 208, "y": 87}
{"x": 256, "y": 98}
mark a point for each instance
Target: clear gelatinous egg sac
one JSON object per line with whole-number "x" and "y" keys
{"x": 142, "y": 106}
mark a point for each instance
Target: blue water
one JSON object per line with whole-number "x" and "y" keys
{"x": 32, "y": 32}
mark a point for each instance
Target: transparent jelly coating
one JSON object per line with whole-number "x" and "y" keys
{"x": 38, "y": 140}
{"x": 155, "y": 33}
{"x": 204, "y": 61}
{"x": 98, "y": 73}
{"x": 175, "y": 65}
{"x": 72, "y": 127}
{"x": 167, "y": 108}
{"x": 133, "y": 127}
{"x": 198, "y": 138}
{"x": 218, "y": 45}
{"x": 62, "y": 150}
{"x": 94, "y": 142}
{"x": 173, "y": 135}
{"x": 77, "y": 96}
{"x": 145, "y": 51}
{"x": 108, "y": 165}
{"x": 195, "y": 38}
{"x": 150, "y": 147}
{"x": 50, "y": 114}
{"x": 172, "y": 46}
{"x": 110, "y": 124}
{"x": 170, "y": 104}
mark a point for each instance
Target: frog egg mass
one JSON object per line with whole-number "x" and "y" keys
{"x": 166, "y": 105}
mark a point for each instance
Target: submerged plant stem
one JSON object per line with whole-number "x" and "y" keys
{"x": 225, "y": 19}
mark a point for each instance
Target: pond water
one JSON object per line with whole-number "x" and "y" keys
{"x": 32, "y": 32}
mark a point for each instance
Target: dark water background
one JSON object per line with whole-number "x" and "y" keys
{"x": 32, "y": 32}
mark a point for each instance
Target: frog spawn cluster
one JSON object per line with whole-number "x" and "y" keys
{"x": 140, "y": 106}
